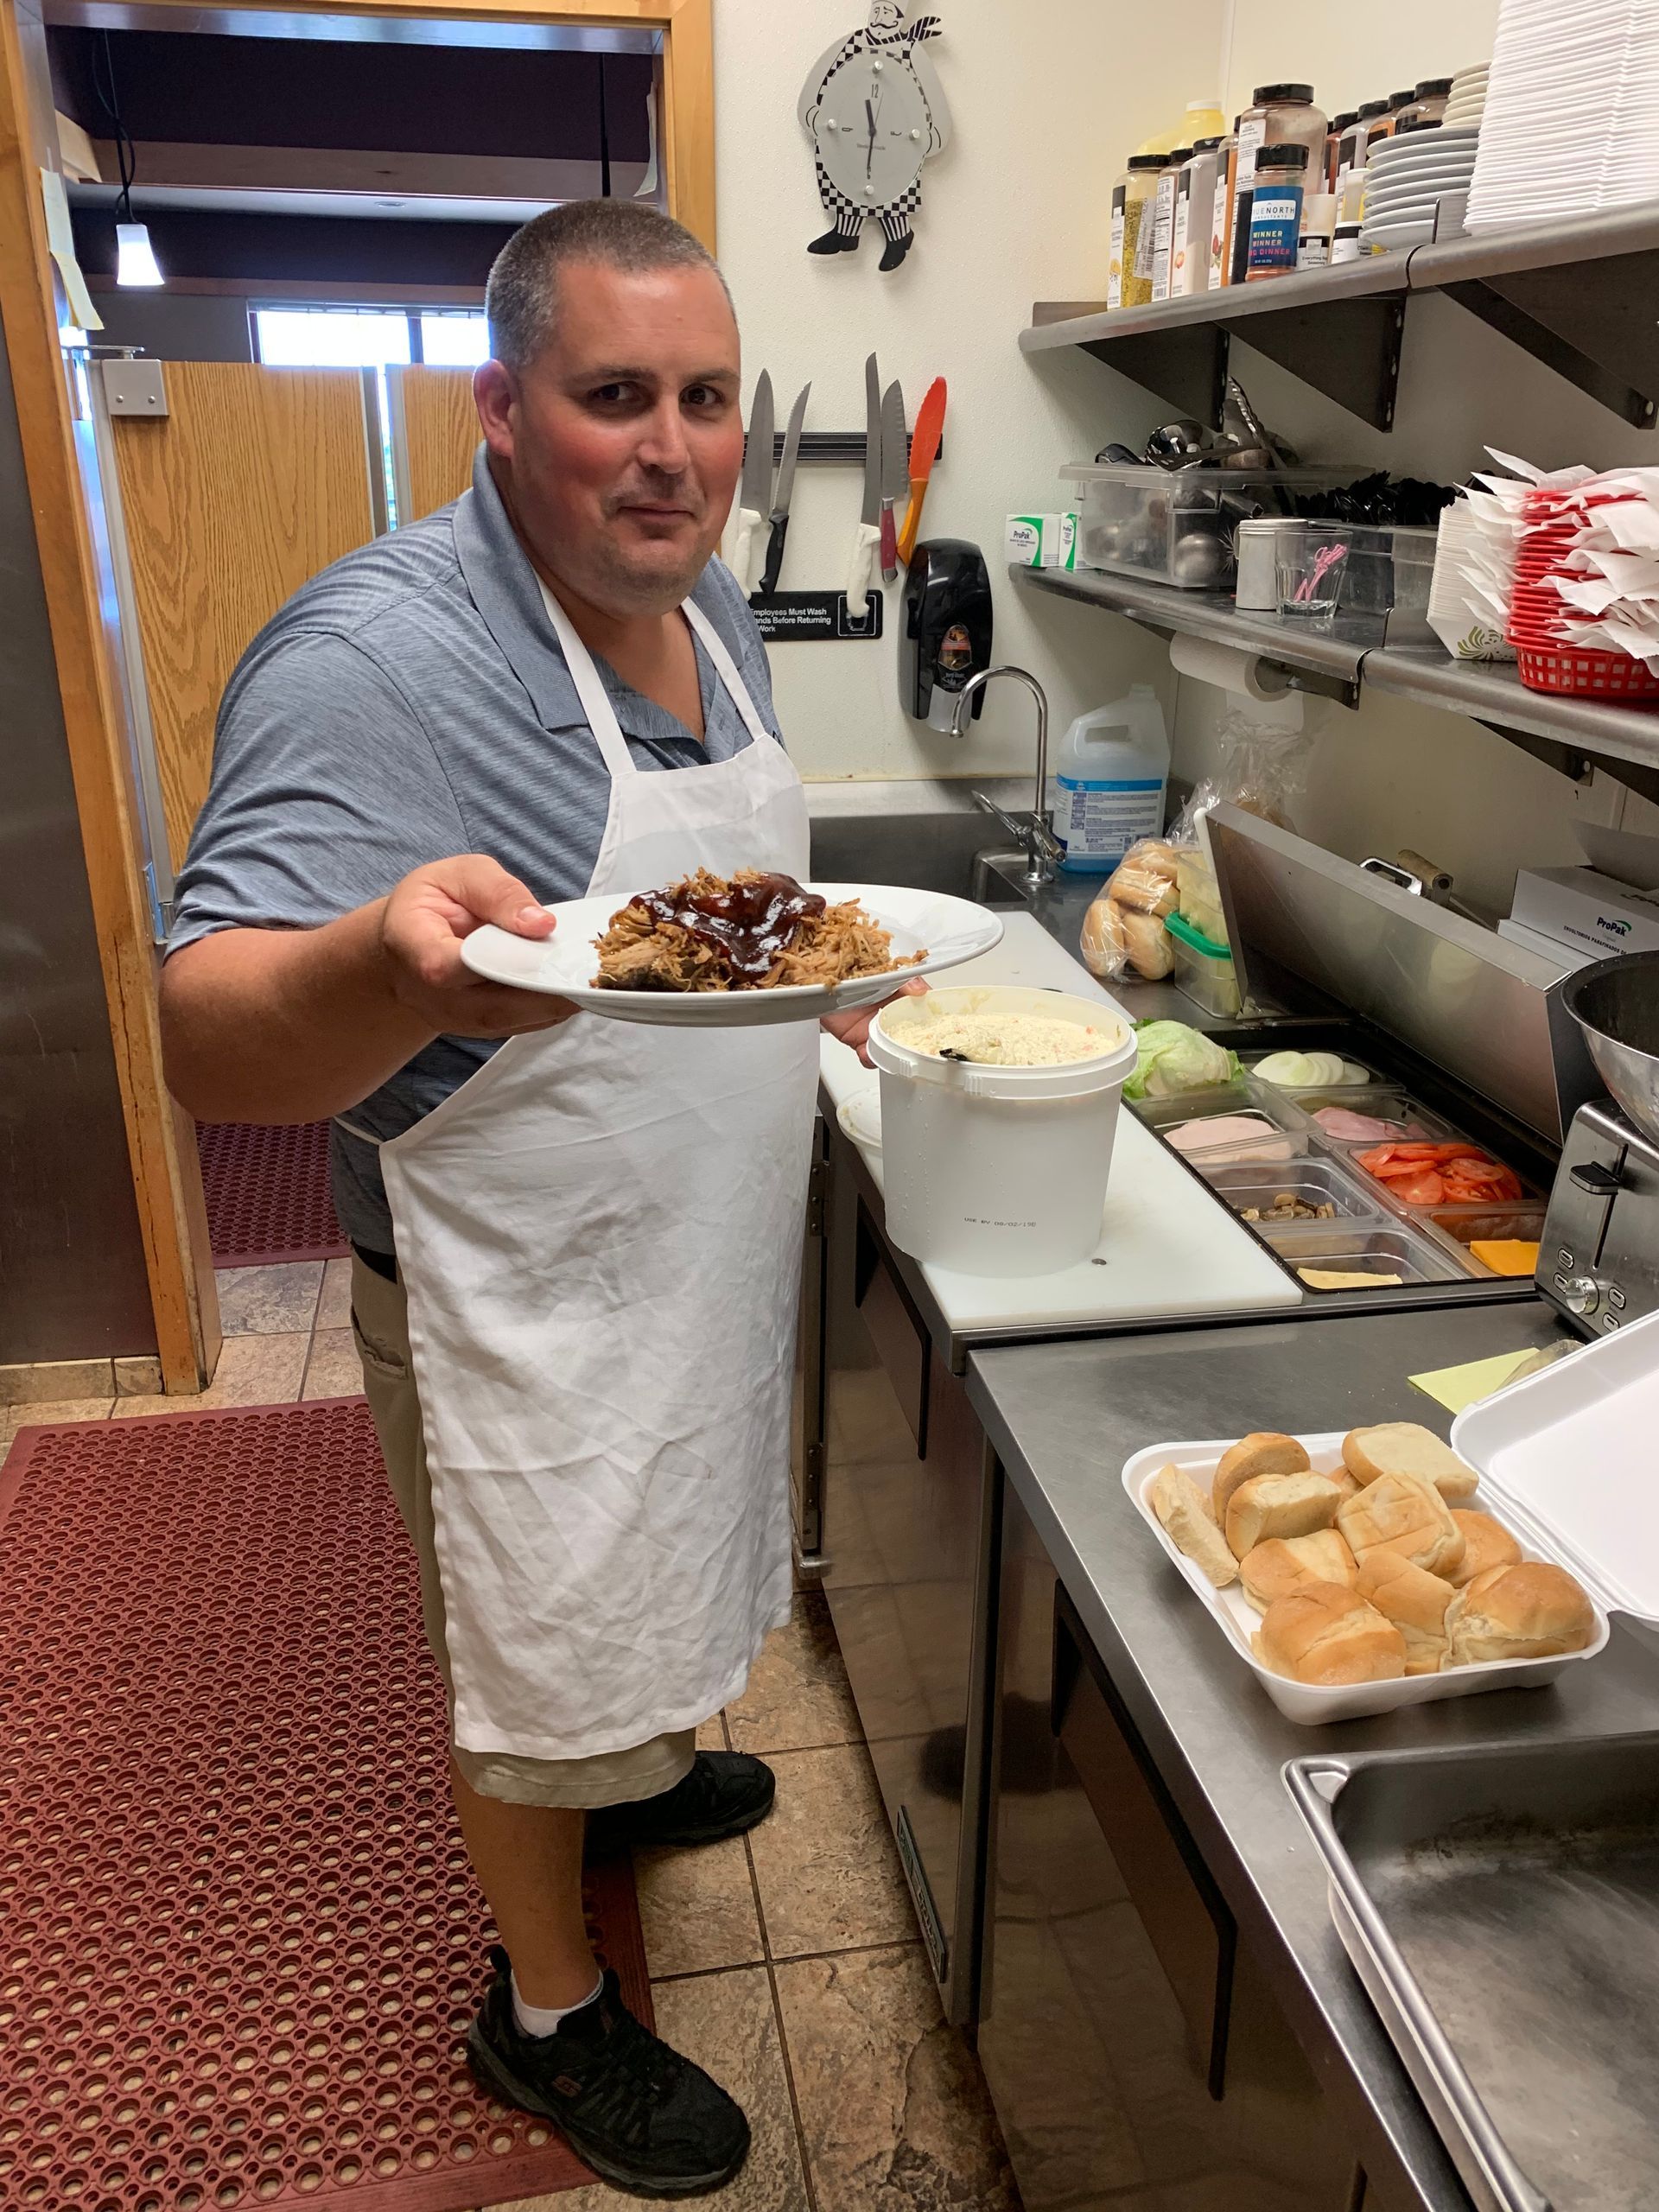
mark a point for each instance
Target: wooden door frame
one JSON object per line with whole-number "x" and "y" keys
{"x": 167, "y": 1179}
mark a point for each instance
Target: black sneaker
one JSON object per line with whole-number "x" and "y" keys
{"x": 644, "y": 2118}
{"x": 725, "y": 1793}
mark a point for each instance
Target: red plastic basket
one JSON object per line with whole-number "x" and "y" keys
{"x": 1573, "y": 672}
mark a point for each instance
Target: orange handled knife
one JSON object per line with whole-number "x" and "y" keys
{"x": 924, "y": 449}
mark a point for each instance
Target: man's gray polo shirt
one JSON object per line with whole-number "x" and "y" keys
{"x": 409, "y": 703}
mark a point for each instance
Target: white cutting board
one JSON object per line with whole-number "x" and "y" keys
{"x": 1168, "y": 1245}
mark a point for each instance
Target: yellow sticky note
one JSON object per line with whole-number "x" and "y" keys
{"x": 61, "y": 239}
{"x": 1456, "y": 1387}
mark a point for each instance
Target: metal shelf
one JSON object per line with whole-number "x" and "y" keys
{"x": 1568, "y": 734}
{"x": 1578, "y": 296}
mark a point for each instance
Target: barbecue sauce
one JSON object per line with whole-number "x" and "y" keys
{"x": 749, "y": 923}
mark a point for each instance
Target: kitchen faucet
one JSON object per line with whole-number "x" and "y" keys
{"x": 1034, "y": 832}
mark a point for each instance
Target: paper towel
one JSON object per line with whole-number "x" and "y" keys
{"x": 1230, "y": 669}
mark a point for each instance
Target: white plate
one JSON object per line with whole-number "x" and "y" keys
{"x": 1386, "y": 237}
{"x": 952, "y": 930}
{"x": 1311, "y": 1704}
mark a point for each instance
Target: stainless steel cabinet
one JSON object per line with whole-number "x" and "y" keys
{"x": 1136, "y": 2058}
{"x": 906, "y": 1546}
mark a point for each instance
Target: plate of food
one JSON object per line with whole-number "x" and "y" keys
{"x": 757, "y": 948}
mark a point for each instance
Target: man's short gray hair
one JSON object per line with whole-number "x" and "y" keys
{"x": 521, "y": 297}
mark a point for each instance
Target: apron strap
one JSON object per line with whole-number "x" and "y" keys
{"x": 352, "y": 1130}
{"x": 726, "y": 669}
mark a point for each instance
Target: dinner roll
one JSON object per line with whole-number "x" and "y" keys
{"x": 1143, "y": 887}
{"x": 1278, "y": 1505}
{"x": 1181, "y": 1507}
{"x": 1486, "y": 1543}
{"x": 1103, "y": 944}
{"x": 1531, "y": 1611}
{"x": 1263, "y": 1451}
{"x": 1404, "y": 1447}
{"x": 1287, "y": 1563}
{"x": 1328, "y": 1633}
{"x": 1415, "y": 1601}
{"x": 1147, "y": 942}
{"x": 1406, "y": 1515}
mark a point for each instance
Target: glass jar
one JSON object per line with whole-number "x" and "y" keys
{"x": 1428, "y": 102}
{"x": 1277, "y": 196}
{"x": 1163, "y": 218}
{"x": 1133, "y": 207}
{"x": 1279, "y": 115}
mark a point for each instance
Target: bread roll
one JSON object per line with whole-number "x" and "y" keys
{"x": 1104, "y": 943}
{"x": 1278, "y": 1505}
{"x": 1287, "y": 1563}
{"x": 1531, "y": 1611}
{"x": 1328, "y": 1633}
{"x": 1150, "y": 953}
{"x": 1415, "y": 1601}
{"x": 1404, "y": 1447}
{"x": 1486, "y": 1543}
{"x": 1144, "y": 886}
{"x": 1180, "y": 1506}
{"x": 1263, "y": 1451}
{"x": 1406, "y": 1515}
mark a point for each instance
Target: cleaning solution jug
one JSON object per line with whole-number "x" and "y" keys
{"x": 1113, "y": 772}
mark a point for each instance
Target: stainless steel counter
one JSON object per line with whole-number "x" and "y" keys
{"x": 1063, "y": 1418}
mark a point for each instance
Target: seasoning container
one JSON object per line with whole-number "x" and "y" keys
{"x": 1195, "y": 200}
{"x": 1382, "y": 126}
{"x": 1256, "y": 589}
{"x": 1344, "y": 243}
{"x": 1133, "y": 199}
{"x": 1333, "y": 145}
{"x": 1319, "y": 226}
{"x": 1277, "y": 195}
{"x": 1163, "y": 220}
{"x": 1428, "y": 102}
{"x": 1279, "y": 115}
{"x": 1221, "y": 219}
{"x": 1351, "y": 153}
{"x": 1204, "y": 119}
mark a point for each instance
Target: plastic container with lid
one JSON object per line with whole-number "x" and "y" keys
{"x": 1339, "y": 123}
{"x": 1277, "y": 191}
{"x": 1318, "y": 225}
{"x": 1427, "y": 104}
{"x": 1384, "y": 125}
{"x": 1163, "y": 220}
{"x": 1356, "y": 138}
{"x": 1203, "y": 119}
{"x": 1133, "y": 201}
{"x": 1221, "y": 218}
{"x": 1113, "y": 771}
{"x": 1179, "y": 527}
{"x": 1204, "y": 969}
{"x": 1279, "y": 115}
{"x": 1195, "y": 200}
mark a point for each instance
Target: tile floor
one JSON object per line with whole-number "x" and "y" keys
{"x": 786, "y": 1961}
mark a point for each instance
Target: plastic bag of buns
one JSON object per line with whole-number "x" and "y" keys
{"x": 1124, "y": 930}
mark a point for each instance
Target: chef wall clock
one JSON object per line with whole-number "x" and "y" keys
{"x": 875, "y": 112}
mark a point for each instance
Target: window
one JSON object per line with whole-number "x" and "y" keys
{"x": 453, "y": 341}
{"x": 369, "y": 338}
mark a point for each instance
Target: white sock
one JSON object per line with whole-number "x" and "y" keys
{"x": 542, "y": 2019}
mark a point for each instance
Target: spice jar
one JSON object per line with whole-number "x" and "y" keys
{"x": 1276, "y": 197}
{"x": 1221, "y": 218}
{"x": 1163, "y": 219}
{"x": 1351, "y": 154}
{"x": 1279, "y": 115}
{"x": 1333, "y": 145}
{"x": 1133, "y": 197}
{"x": 1428, "y": 104}
{"x": 1195, "y": 200}
{"x": 1383, "y": 126}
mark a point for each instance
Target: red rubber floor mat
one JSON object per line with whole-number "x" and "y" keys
{"x": 268, "y": 1193}
{"x": 239, "y": 1940}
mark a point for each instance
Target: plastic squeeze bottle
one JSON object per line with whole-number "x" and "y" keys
{"x": 1113, "y": 771}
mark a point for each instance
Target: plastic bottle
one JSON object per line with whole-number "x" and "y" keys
{"x": 1276, "y": 201}
{"x": 1163, "y": 219}
{"x": 1134, "y": 204}
{"x": 1113, "y": 770}
{"x": 1279, "y": 115}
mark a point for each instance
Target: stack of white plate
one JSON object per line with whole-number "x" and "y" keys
{"x": 1571, "y": 117}
{"x": 1466, "y": 102}
{"x": 1405, "y": 181}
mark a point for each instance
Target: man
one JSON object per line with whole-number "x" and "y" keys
{"x": 574, "y": 1252}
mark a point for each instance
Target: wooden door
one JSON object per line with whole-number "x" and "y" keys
{"x": 435, "y": 434}
{"x": 253, "y": 480}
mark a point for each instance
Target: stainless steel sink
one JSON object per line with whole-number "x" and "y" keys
{"x": 1502, "y": 1908}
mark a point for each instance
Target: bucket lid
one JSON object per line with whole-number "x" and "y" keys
{"x": 1569, "y": 1452}
{"x": 1107, "y": 1070}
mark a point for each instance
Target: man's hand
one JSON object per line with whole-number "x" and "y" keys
{"x": 421, "y": 927}
{"x": 854, "y": 1029}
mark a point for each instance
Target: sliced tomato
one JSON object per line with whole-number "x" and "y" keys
{"x": 1426, "y": 1188}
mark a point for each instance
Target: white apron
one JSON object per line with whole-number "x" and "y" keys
{"x": 600, "y": 1236}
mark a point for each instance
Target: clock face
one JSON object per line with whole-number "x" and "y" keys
{"x": 873, "y": 130}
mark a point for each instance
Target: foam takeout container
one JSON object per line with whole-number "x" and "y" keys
{"x": 1312, "y": 1704}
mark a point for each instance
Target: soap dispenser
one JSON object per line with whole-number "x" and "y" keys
{"x": 947, "y": 629}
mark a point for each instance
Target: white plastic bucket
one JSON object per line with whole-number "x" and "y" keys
{"x": 997, "y": 1171}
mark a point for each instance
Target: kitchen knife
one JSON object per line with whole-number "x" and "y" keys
{"x": 895, "y": 475}
{"x": 779, "y": 515}
{"x": 868, "y": 542}
{"x": 923, "y": 452}
{"x": 755, "y": 497}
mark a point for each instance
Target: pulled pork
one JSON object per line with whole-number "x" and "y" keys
{"x": 757, "y": 931}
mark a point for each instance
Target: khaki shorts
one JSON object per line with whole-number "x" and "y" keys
{"x": 380, "y": 1325}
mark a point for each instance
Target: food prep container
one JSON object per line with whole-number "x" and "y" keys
{"x": 1204, "y": 969}
{"x": 1345, "y": 1248}
{"x": 1466, "y": 1225}
{"x": 1311, "y": 1704}
{"x": 1329, "y": 1093}
{"x": 1316, "y": 1181}
{"x": 1176, "y": 526}
{"x": 1382, "y": 1103}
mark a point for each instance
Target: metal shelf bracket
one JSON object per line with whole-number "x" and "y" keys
{"x": 1348, "y": 349}
{"x": 1591, "y": 322}
{"x": 1576, "y": 766}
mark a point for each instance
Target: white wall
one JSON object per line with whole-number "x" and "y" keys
{"x": 1048, "y": 95}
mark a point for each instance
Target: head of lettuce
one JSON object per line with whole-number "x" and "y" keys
{"x": 1170, "y": 1058}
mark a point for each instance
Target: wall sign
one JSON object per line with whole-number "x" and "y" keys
{"x": 875, "y": 111}
{"x": 798, "y": 618}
